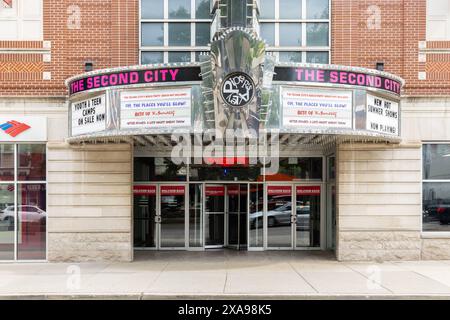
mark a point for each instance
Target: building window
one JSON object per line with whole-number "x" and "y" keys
{"x": 297, "y": 30}
{"x": 436, "y": 187}
{"x": 438, "y": 20}
{"x": 23, "y": 202}
{"x": 174, "y": 30}
{"x": 21, "y": 20}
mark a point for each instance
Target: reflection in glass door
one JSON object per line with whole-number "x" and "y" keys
{"x": 214, "y": 216}
{"x": 255, "y": 216}
{"x": 145, "y": 230}
{"x": 279, "y": 216}
{"x": 173, "y": 208}
{"x": 236, "y": 207}
{"x": 307, "y": 231}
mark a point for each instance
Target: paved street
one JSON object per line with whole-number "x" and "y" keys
{"x": 227, "y": 274}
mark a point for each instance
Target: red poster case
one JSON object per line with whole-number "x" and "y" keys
{"x": 143, "y": 190}
{"x": 308, "y": 190}
{"x": 279, "y": 190}
{"x": 172, "y": 190}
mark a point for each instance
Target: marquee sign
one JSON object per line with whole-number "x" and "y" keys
{"x": 89, "y": 115}
{"x": 155, "y": 108}
{"x": 317, "y": 108}
{"x": 382, "y": 115}
{"x": 133, "y": 77}
{"x": 337, "y": 76}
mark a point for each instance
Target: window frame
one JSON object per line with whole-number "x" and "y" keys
{"x": 304, "y": 48}
{"x": 19, "y": 19}
{"x": 166, "y": 48}
{"x": 16, "y": 182}
{"x": 429, "y": 18}
{"x": 430, "y": 234}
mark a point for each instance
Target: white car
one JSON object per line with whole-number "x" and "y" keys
{"x": 282, "y": 216}
{"x": 25, "y": 213}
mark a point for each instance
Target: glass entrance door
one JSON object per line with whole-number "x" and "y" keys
{"x": 145, "y": 217}
{"x": 214, "y": 216}
{"x": 279, "y": 217}
{"x": 236, "y": 215}
{"x": 308, "y": 222}
{"x": 172, "y": 217}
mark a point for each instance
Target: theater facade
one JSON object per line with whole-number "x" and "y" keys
{"x": 236, "y": 149}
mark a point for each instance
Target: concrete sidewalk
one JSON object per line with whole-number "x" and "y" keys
{"x": 227, "y": 274}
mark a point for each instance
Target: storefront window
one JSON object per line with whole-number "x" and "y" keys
{"x": 31, "y": 162}
{"x": 6, "y": 162}
{"x": 294, "y": 168}
{"x": 436, "y": 187}
{"x": 218, "y": 173}
{"x": 23, "y": 222}
{"x": 158, "y": 169}
{"x": 7, "y": 222}
{"x": 32, "y": 217}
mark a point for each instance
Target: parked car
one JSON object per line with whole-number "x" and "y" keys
{"x": 282, "y": 216}
{"x": 26, "y": 213}
{"x": 443, "y": 213}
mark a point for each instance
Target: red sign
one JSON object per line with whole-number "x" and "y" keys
{"x": 234, "y": 190}
{"x": 215, "y": 191}
{"x": 144, "y": 190}
{"x": 172, "y": 190}
{"x": 279, "y": 190}
{"x": 227, "y": 161}
{"x": 308, "y": 190}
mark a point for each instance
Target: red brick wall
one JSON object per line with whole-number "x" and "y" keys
{"x": 108, "y": 36}
{"x": 396, "y": 42}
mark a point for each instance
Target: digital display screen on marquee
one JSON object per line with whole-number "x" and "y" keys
{"x": 341, "y": 77}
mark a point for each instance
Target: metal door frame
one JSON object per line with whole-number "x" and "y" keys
{"x": 261, "y": 248}
{"x": 322, "y": 215}
{"x": 237, "y": 246}
{"x": 186, "y": 216}
{"x": 217, "y": 184}
{"x": 157, "y": 214}
{"x": 265, "y": 218}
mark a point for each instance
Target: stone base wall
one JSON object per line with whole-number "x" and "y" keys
{"x": 379, "y": 246}
{"x": 379, "y": 202}
{"x": 436, "y": 249}
{"x": 89, "y": 202}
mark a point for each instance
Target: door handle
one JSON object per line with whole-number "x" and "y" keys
{"x": 157, "y": 219}
{"x": 293, "y": 219}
